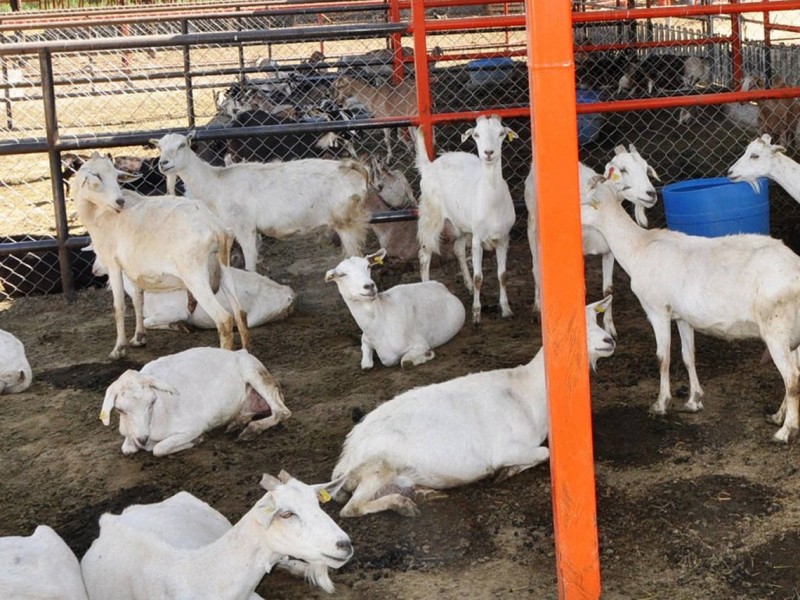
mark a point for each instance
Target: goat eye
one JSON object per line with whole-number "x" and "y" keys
{"x": 287, "y": 514}
{"x": 623, "y": 171}
{"x": 754, "y": 157}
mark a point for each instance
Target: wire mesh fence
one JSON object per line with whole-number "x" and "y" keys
{"x": 312, "y": 83}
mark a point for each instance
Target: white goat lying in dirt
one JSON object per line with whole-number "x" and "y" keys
{"x": 15, "y": 371}
{"x": 733, "y": 287}
{"x": 276, "y": 199}
{"x": 453, "y": 433}
{"x": 402, "y": 324}
{"x": 160, "y": 243}
{"x": 628, "y": 171}
{"x": 469, "y": 192}
{"x": 172, "y": 401}
{"x": 182, "y": 548}
{"x": 262, "y": 299}
{"x": 762, "y": 158}
{"x": 39, "y": 567}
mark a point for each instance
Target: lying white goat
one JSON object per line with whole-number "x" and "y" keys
{"x": 276, "y": 199}
{"x": 402, "y": 324}
{"x": 172, "y": 401}
{"x": 262, "y": 299}
{"x": 468, "y": 191}
{"x": 160, "y": 243}
{"x": 762, "y": 158}
{"x": 39, "y": 567}
{"x": 732, "y": 287}
{"x": 182, "y": 548}
{"x": 15, "y": 371}
{"x": 628, "y": 171}
{"x": 453, "y": 433}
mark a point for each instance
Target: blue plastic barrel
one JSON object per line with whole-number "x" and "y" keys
{"x": 588, "y": 124}
{"x": 716, "y": 207}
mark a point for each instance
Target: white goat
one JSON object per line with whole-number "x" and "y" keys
{"x": 762, "y": 158}
{"x": 453, "y": 433}
{"x": 275, "y": 199}
{"x": 732, "y": 287}
{"x": 15, "y": 371}
{"x": 469, "y": 192}
{"x": 402, "y": 324}
{"x": 39, "y": 567}
{"x": 183, "y": 548}
{"x": 162, "y": 243}
{"x": 628, "y": 171}
{"x": 262, "y": 299}
{"x": 172, "y": 401}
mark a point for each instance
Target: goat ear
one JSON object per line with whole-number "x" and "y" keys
{"x": 331, "y": 275}
{"x": 269, "y": 482}
{"x": 110, "y": 399}
{"x": 766, "y": 138}
{"x": 326, "y": 491}
{"x": 631, "y": 148}
{"x": 467, "y": 134}
{"x": 596, "y": 180}
{"x": 159, "y": 385}
{"x": 601, "y": 305}
{"x": 125, "y": 177}
{"x": 511, "y": 135}
{"x": 778, "y": 149}
{"x": 95, "y": 154}
{"x": 652, "y": 172}
{"x": 153, "y": 142}
{"x": 376, "y": 258}
{"x": 190, "y": 136}
{"x": 284, "y": 476}
{"x": 620, "y": 149}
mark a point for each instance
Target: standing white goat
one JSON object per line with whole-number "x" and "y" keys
{"x": 469, "y": 192}
{"x": 453, "y": 433}
{"x": 628, "y": 171}
{"x": 161, "y": 243}
{"x": 15, "y": 371}
{"x": 172, "y": 401}
{"x": 276, "y": 199}
{"x": 732, "y": 287}
{"x": 402, "y": 324}
{"x": 762, "y": 158}
{"x": 39, "y": 567}
{"x": 182, "y": 548}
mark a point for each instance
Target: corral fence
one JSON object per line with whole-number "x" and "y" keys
{"x": 95, "y": 79}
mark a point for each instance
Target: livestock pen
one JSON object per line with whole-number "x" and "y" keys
{"x": 686, "y": 504}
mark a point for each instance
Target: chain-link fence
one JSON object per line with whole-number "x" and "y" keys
{"x": 298, "y": 81}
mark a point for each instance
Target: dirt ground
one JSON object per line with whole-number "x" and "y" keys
{"x": 690, "y": 506}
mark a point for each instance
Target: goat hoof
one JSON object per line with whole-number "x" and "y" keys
{"x": 117, "y": 353}
{"x": 138, "y": 342}
{"x": 785, "y": 435}
{"x": 691, "y": 406}
{"x": 657, "y": 409}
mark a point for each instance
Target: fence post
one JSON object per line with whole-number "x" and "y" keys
{"x": 187, "y": 77}
{"x": 551, "y": 74}
{"x": 57, "y": 184}
{"x": 421, "y": 72}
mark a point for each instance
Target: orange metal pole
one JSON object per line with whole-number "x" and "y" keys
{"x": 421, "y": 72}
{"x": 551, "y": 73}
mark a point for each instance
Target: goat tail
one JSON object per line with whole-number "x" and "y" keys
{"x": 422, "y": 151}
{"x": 430, "y": 224}
{"x": 228, "y": 286}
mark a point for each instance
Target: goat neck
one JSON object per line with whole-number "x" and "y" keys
{"x": 230, "y": 567}
{"x": 786, "y": 173}
{"x": 202, "y": 179}
{"x": 624, "y": 237}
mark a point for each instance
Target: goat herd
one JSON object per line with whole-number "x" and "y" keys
{"x": 172, "y": 255}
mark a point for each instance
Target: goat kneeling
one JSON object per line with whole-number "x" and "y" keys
{"x": 403, "y": 324}
{"x": 172, "y": 401}
{"x": 453, "y": 433}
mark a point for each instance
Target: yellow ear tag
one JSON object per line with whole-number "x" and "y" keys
{"x": 377, "y": 260}
{"x": 103, "y": 416}
{"x": 511, "y": 136}
{"x": 323, "y": 496}
{"x": 599, "y": 309}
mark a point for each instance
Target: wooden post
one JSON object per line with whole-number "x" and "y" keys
{"x": 551, "y": 73}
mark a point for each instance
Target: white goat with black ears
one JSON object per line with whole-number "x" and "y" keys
{"x": 168, "y": 405}
{"x": 402, "y": 324}
{"x": 733, "y": 287}
{"x": 15, "y": 370}
{"x": 161, "y": 243}
{"x": 182, "y": 548}
{"x": 762, "y": 158}
{"x": 469, "y": 192}
{"x": 629, "y": 173}
{"x": 453, "y": 433}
